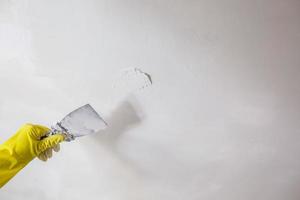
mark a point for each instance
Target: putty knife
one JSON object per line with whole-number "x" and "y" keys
{"x": 80, "y": 122}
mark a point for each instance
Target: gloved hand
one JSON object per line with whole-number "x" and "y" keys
{"x": 45, "y": 155}
{"x": 23, "y": 147}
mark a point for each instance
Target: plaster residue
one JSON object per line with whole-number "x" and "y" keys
{"x": 132, "y": 80}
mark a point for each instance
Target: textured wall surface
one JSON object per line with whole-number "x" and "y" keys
{"x": 221, "y": 120}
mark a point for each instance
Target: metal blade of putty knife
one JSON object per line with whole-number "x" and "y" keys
{"x": 80, "y": 122}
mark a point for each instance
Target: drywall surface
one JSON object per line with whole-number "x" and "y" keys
{"x": 221, "y": 119}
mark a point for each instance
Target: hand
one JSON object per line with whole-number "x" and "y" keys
{"x": 23, "y": 147}
{"x": 47, "y": 154}
{"x": 28, "y": 144}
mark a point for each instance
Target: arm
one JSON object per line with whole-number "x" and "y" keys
{"x": 23, "y": 147}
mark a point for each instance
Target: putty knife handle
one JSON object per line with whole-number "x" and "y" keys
{"x": 54, "y": 131}
{"x": 47, "y": 134}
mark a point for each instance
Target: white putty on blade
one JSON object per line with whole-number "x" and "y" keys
{"x": 80, "y": 122}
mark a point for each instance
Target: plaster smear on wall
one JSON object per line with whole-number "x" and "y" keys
{"x": 131, "y": 80}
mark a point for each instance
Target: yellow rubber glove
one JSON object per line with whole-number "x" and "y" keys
{"x": 23, "y": 147}
{"x": 45, "y": 155}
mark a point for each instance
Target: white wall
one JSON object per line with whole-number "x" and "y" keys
{"x": 221, "y": 120}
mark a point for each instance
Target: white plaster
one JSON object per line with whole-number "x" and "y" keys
{"x": 220, "y": 121}
{"x": 130, "y": 81}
